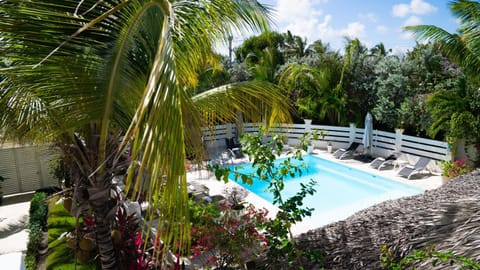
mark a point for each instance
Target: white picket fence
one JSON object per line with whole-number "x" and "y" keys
{"x": 383, "y": 143}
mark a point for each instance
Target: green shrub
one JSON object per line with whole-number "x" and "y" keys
{"x": 38, "y": 209}
{"x": 38, "y": 215}
{"x": 30, "y": 261}
{"x": 455, "y": 168}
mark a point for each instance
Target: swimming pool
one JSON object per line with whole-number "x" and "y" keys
{"x": 341, "y": 190}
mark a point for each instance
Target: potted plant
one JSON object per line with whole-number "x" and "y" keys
{"x": 323, "y": 133}
{"x": 234, "y": 198}
{"x": 307, "y": 139}
{"x": 329, "y": 147}
{"x": 452, "y": 169}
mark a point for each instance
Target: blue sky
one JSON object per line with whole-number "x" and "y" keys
{"x": 371, "y": 21}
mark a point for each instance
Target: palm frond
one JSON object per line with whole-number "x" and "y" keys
{"x": 462, "y": 48}
{"x": 256, "y": 100}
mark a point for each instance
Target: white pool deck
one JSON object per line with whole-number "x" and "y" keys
{"x": 215, "y": 187}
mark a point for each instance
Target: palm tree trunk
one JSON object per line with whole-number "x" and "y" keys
{"x": 104, "y": 243}
{"x": 99, "y": 201}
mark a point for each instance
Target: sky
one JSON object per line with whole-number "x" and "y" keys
{"x": 371, "y": 21}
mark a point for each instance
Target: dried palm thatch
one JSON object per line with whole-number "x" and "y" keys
{"x": 448, "y": 217}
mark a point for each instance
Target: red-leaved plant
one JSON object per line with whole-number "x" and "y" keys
{"x": 455, "y": 168}
{"x": 229, "y": 239}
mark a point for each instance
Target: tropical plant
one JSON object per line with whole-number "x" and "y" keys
{"x": 309, "y": 88}
{"x": 295, "y": 46}
{"x": 62, "y": 251}
{"x": 463, "y": 47}
{"x": 391, "y": 91}
{"x": 88, "y": 74}
{"x": 281, "y": 244}
{"x": 36, "y": 226}
{"x": 379, "y": 51}
{"x": 230, "y": 238}
{"x": 252, "y": 47}
{"x": 317, "y": 47}
{"x": 452, "y": 169}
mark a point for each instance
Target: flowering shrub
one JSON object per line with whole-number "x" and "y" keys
{"x": 455, "y": 168}
{"x": 230, "y": 238}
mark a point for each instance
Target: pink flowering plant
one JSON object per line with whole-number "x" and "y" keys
{"x": 226, "y": 238}
{"x": 455, "y": 168}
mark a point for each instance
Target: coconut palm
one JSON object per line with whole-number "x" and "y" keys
{"x": 463, "y": 47}
{"x": 85, "y": 74}
{"x": 456, "y": 111}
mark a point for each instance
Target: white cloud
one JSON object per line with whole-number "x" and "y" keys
{"x": 417, "y": 7}
{"x": 400, "y": 10}
{"x": 382, "y": 29}
{"x": 305, "y": 18}
{"x": 300, "y": 17}
{"x": 412, "y": 20}
{"x": 353, "y": 30}
{"x": 289, "y": 10}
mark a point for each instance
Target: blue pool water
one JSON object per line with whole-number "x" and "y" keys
{"x": 341, "y": 190}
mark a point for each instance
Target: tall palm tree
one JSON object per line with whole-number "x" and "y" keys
{"x": 463, "y": 47}
{"x": 86, "y": 73}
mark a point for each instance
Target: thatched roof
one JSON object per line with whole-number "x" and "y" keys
{"x": 448, "y": 217}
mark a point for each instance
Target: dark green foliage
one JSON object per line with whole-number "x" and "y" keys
{"x": 59, "y": 171}
{"x": 38, "y": 215}
{"x": 38, "y": 210}
{"x": 252, "y": 46}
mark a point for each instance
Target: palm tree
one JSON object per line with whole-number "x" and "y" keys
{"x": 311, "y": 88}
{"x": 295, "y": 46}
{"x": 463, "y": 47}
{"x": 455, "y": 111}
{"x": 379, "y": 51}
{"x": 86, "y": 73}
{"x": 317, "y": 47}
